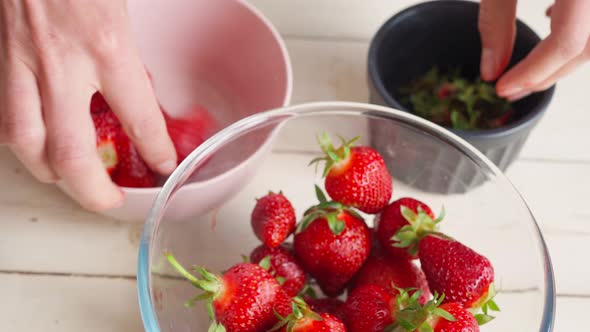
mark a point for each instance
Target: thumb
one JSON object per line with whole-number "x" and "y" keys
{"x": 497, "y": 27}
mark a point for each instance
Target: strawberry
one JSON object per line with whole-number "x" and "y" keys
{"x": 402, "y": 223}
{"x": 463, "y": 275}
{"x": 188, "y": 132}
{"x": 245, "y": 298}
{"x": 332, "y": 242}
{"x": 369, "y": 308}
{"x": 392, "y": 273}
{"x": 98, "y": 104}
{"x": 282, "y": 265}
{"x": 273, "y": 219}
{"x": 107, "y": 129}
{"x": 463, "y": 320}
{"x": 355, "y": 176}
{"x": 435, "y": 316}
{"x": 329, "y": 305}
{"x": 304, "y": 319}
{"x": 132, "y": 171}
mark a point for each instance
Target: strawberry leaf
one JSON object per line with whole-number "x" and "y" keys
{"x": 265, "y": 263}
{"x": 336, "y": 226}
{"x": 210, "y": 311}
{"x": 441, "y": 215}
{"x": 216, "y": 327}
{"x": 493, "y": 306}
{"x": 483, "y": 319}
{"x": 408, "y": 214}
{"x": 320, "y": 195}
{"x": 444, "y": 314}
{"x": 281, "y": 280}
{"x": 308, "y": 291}
{"x": 425, "y": 328}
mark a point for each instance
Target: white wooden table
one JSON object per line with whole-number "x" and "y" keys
{"x": 64, "y": 269}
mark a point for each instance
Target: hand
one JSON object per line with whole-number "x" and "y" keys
{"x": 54, "y": 54}
{"x": 566, "y": 48}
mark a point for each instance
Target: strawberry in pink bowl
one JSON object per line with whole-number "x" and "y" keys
{"x": 202, "y": 87}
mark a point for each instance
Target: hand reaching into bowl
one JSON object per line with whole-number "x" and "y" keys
{"x": 566, "y": 48}
{"x": 54, "y": 55}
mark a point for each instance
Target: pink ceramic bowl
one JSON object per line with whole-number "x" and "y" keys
{"x": 223, "y": 55}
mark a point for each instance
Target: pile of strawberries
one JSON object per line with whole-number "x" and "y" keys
{"x": 450, "y": 290}
{"x": 120, "y": 157}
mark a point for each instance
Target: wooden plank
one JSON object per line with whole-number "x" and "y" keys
{"x": 60, "y": 303}
{"x": 72, "y": 241}
{"x": 68, "y": 304}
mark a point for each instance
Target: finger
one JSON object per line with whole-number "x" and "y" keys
{"x": 497, "y": 27}
{"x": 23, "y": 124}
{"x": 567, "y": 69}
{"x": 570, "y": 31}
{"x": 127, "y": 88}
{"x": 72, "y": 143}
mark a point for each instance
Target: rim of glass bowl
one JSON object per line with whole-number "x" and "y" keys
{"x": 310, "y": 109}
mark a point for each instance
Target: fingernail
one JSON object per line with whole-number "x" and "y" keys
{"x": 519, "y": 96}
{"x": 488, "y": 64}
{"x": 167, "y": 167}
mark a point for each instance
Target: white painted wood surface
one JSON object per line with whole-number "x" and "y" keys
{"x": 64, "y": 269}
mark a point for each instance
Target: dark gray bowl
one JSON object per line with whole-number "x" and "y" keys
{"x": 445, "y": 33}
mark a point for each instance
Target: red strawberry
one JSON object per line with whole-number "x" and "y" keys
{"x": 369, "y": 308}
{"x": 132, "y": 171}
{"x": 283, "y": 266}
{"x": 98, "y": 104}
{"x": 327, "y": 305}
{"x": 448, "y": 317}
{"x": 410, "y": 214}
{"x": 392, "y": 274}
{"x": 332, "y": 242}
{"x": 273, "y": 219}
{"x": 445, "y": 91}
{"x": 188, "y": 132}
{"x": 304, "y": 319}
{"x": 244, "y": 299}
{"x": 458, "y": 272}
{"x": 356, "y": 176}
{"x": 107, "y": 129}
{"x": 463, "y": 320}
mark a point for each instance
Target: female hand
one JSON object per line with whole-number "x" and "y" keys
{"x": 54, "y": 54}
{"x": 566, "y": 48}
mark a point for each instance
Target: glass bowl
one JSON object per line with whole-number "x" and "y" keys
{"x": 491, "y": 217}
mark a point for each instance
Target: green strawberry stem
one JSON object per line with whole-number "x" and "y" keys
{"x": 411, "y": 316}
{"x": 210, "y": 284}
{"x": 300, "y": 310}
{"x": 329, "y": 210}
{"x": 420, "y": 226}
{"x": 333, "y": 155}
